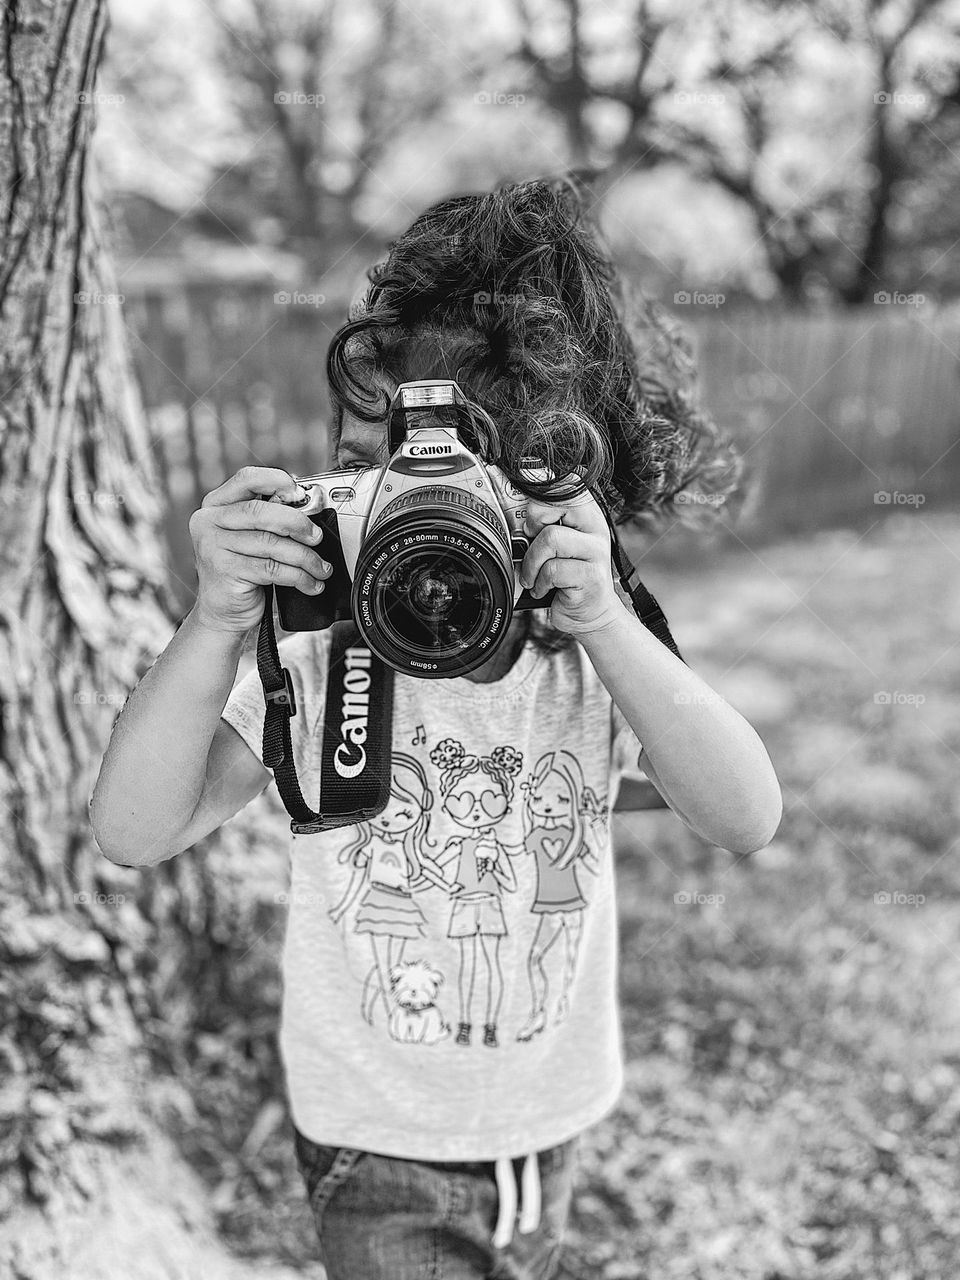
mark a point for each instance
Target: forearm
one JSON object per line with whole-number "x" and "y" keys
{"x": 153, "y": 772}
{"x": 706, "y": 758}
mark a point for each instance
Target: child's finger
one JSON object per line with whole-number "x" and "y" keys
{"x": 581, "y": 513}
{"x": 566, "y": 574}
{"x": 557, "y": 541}
{"x": 253, "y": 482}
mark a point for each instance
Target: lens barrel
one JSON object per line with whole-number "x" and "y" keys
{"x": 434, "y": 583}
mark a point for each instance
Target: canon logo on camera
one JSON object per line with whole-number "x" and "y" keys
{"x": 437, "y": 450}
{"x": 350, "y": 758}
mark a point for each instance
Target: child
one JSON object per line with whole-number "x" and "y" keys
{"x": 410, "y": 1134}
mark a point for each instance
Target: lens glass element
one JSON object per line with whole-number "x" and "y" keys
{"x": 433, "y": 603}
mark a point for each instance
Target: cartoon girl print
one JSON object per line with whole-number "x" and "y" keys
{"x": 561, "y": 821}
{"x": 391, "y": 860}
{"x": 477, "y": 791}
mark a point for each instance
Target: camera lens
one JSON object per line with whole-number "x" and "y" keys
{"x": 433, "y": 589}
{"x": 433, "y": 604}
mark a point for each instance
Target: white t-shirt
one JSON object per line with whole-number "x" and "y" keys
{"x": 449, "y": 970}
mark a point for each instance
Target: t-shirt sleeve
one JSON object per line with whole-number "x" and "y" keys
{"x": 626, "y": 745}
{"x": 304, "y": 654}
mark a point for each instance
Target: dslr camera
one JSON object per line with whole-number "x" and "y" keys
{"x": 424, "y": 551}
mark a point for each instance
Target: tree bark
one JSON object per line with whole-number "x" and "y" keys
{"x": 84, "y": 602}
{"x": 84, "y": 609}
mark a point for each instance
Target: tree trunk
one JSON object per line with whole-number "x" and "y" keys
{"x": 84, "y": 609}
{"x": 870, "y": 275}
{"x": 84, "y": 601}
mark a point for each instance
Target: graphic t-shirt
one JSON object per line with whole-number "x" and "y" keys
{"x": 449, "y": 968}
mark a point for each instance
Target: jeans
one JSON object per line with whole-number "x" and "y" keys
{"x": 382, "y": 1218}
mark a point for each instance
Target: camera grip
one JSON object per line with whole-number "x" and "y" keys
{"x": 528, "y": 601}
{"x": 298, "y": 611}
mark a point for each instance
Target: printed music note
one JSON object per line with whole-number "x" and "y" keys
{"x": 420, "y": 735}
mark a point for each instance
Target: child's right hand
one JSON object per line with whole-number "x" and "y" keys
{"x": 243, "y": 542}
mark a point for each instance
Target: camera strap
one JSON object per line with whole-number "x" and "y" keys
{"x": 644, "y": 603}
{"x": 356, "y": 734}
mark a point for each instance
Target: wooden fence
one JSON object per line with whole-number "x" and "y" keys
{"x": 835, "y": 411}
{"x": 830, "y": 410}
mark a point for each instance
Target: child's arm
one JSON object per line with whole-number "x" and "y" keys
{"x": 704, "y": 757}
{"x": 449, "y": 851}
{"x": 172, "y": 771}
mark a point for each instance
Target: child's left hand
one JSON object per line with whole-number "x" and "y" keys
{"x": 571, "y": 551}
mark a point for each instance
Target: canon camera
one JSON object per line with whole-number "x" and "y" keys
{"x": 425, "y": 551}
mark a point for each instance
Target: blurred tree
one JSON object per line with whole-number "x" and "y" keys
{"x": 716, "y": 89}
{"x": 655, "y": 61}
{"x": 913, "y": 54}
{"x": 326, "y": 89}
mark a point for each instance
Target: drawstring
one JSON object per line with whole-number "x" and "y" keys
{"x": 507, "y": 1197}
{"x": 530, "y": 1181}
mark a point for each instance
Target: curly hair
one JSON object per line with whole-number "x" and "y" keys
{"x": 510, "y": 293}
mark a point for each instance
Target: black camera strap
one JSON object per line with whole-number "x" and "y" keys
{"x": 645, "y": 604}
{"x": 356, "y": 746}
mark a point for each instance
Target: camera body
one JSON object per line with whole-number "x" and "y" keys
{"x": 425, "y": 551}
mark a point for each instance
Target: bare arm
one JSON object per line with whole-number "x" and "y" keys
{"x": 172, "y": 771}
{"x": 702, "y": 755}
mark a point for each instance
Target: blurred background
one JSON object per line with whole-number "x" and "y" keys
{"x": 784, "y": 178}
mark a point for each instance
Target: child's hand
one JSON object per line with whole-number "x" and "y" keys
{"x": 571, "y": 551}
{"x": 243, "y": 543}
